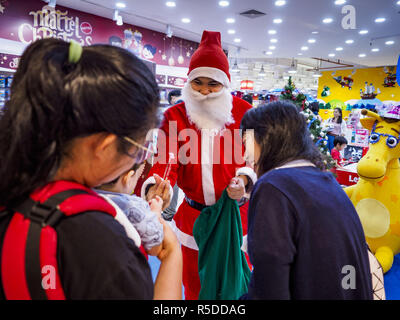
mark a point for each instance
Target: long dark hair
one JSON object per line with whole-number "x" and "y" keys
{"x": 282, "y": 134}
{"x": 53, "y": 101}
{"x": 339, "y": 120}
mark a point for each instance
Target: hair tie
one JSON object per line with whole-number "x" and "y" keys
{"x": 75, "y": 51}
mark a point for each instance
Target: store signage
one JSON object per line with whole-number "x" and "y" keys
{"x": 51, "y": 23}
{"x": 176, "y": 81}
{"x": 9, "y": 61}
{"x": 247, "y": 85}
{"x": 26, "y": 21}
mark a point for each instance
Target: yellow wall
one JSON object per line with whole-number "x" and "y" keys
{"x": 375, "y": 76}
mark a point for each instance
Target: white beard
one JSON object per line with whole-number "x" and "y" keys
{"x": 212, "y": 111}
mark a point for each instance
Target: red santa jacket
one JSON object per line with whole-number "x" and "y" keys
{"x": 204, "y": 163}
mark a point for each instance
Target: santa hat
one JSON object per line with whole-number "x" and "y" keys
{"x": 210, "y": 60}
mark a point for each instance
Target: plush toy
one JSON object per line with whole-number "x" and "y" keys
{"x": 376, "y": 196}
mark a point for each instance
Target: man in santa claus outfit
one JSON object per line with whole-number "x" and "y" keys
{"x": 206, "y": 120}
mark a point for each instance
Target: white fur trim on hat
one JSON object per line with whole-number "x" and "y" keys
{"x": 208, "y": 72}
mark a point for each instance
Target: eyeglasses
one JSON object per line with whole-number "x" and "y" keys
{"x": 143, "y": 152}
{"x": 391, "y": 141}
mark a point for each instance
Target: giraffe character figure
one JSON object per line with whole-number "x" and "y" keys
{"x": 376, "y": 196}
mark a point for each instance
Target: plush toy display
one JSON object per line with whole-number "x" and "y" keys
{"x": 376, "y": 196}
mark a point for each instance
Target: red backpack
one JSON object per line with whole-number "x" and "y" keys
{"x": 29, "y": 248}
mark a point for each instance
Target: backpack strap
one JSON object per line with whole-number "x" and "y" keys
{"x": 30, "y": 244}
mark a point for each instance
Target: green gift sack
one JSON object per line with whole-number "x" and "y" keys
{"x": 223, "y": 269}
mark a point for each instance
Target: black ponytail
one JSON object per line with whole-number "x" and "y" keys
{"x": 54, "y": 101}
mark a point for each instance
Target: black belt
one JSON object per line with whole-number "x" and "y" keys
{"x": 199, "y": 206}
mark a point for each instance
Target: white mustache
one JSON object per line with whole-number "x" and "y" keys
{"x": 202, "y": 97}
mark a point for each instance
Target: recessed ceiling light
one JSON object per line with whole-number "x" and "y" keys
{"x": 339, "y": 49}
{"x": 380, "y": 20}
{"x": 273, "y": 40}
{"x": 271, "y": 31}
{"x": 327, "y": 20}
{"x": 230, "y": 20}
{"x": 271, "y": 47}
{"x": 331, "y": 55}
{"x": 362, "y": 55}
{"x": 237, "y": 40}
{"x": 185, "y": 20}
{"x": 363, "y": 32}
{"x": 375, "y": 49}
{"x": 349, "y": 41}
{"x": 280, "y": 3}
{"x": 231, "y": 31}
{"x": 304, "y": 48}
{"x": 389, "y": 43}
{"x": 277, "y": 21}
{"x": 398, "y": 3}
{"x": 314, "y": 32}
{"x": 340, "y": 2}
{"x": 223, "y": 3}
{"x": 312, "y": 40}
{"x": 170, "y": 4}
{"x": 268, "y": 53}
{"x": 299, "y": 54}
{"x": 120, "y": 5}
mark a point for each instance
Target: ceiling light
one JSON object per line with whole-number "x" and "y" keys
{"x": 340, "y": 2}
{"x": 312, "y": 40}
{"x": 120, "y": 5}
{"x": 271, "y": 31}
{"x": 116, "y": 14}
{"x": 327, "y": 20}
{"x": 362, "y": 55}
{"x": 268, "y": 53}
{"x": 230, "y": 20}
{"x": 380, "y": 20}
{"x": 331, "y": 55}
{"x": 119, "y": 21}
{"x": 349, "y": 41}
{"x": 363, "y": 32}
{"x": 339, "y": 49}
{"x": 315, "y": 32}
{"x": 273, "y": 40}
{"x": 398, "y": 3}
{"x": 277, "y": 21}
{"x": 280, "y": 3}
{"x": 317, "y": 74}
{"x": 237, "y": 40}
{"x": 170, "y": 4}
{"x": 271, "y": 47}
{"x": 389, "y": 43}
{"x": 185, "y": 20}
{"x": 305, "y": 48}
{"x": 231, "y": 31}
{"x": 223, "y": 3}
{"x": 375, "y": 49}
{"x": 299, "y": 54}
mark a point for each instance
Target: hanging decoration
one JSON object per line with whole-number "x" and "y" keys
{"x": 181, "y": 60}
{"x": 390, "y": 79}
{"x": 171, "y": 60}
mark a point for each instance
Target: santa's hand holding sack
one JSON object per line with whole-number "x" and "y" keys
{"x": 203, "y": 135}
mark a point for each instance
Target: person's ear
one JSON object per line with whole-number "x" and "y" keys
{"x": 105, "y": 144}
{"x": 127, "y": 177}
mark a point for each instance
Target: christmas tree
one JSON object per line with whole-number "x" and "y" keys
{"x": 288, "y": 94}
{"x": 319, "y": 136}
